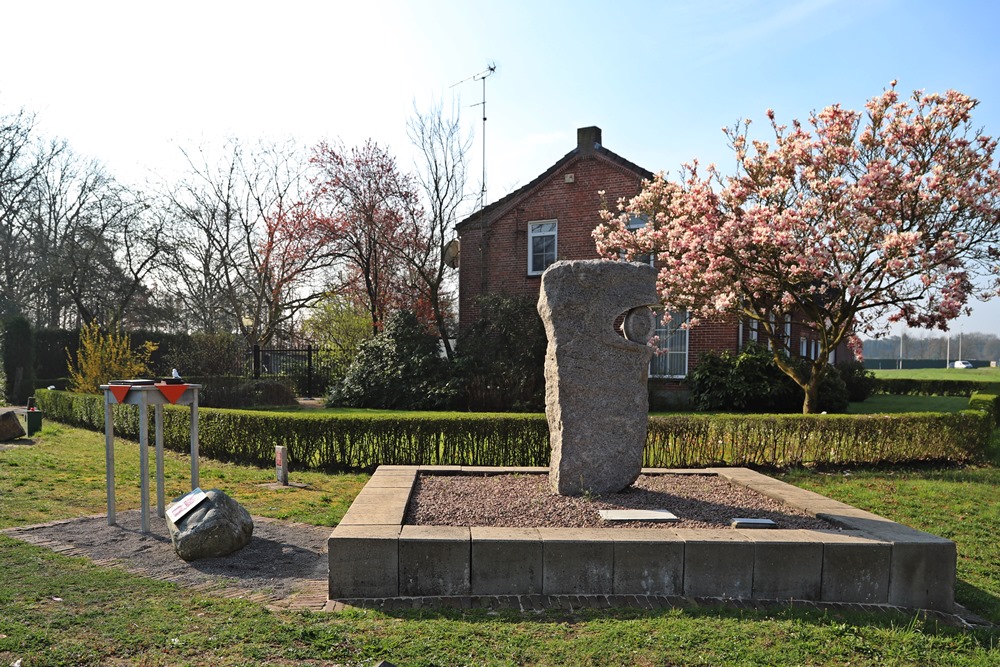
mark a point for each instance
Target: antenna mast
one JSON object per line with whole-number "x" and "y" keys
{"x": 482, "y": 76}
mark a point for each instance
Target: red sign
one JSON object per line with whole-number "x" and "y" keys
{"x": 120, "y": 391}
{"x": 172, "y": 392}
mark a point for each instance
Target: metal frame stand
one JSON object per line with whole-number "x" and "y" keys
{"x": 143, "y": 396}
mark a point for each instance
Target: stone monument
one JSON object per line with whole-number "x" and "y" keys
{"x": 596, "y": 400}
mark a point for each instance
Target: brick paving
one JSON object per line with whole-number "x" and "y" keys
{"x": 311, "y": 595}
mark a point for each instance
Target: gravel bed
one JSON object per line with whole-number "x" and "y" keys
{"x": 525, "y": 501}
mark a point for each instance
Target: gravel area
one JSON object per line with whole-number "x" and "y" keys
{"x": 281, "y": 558}
{"x": 700, "y": 501}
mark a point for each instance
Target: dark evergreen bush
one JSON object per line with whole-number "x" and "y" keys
{"x": 399, "y": 369}
{"x": 752, "y": 382}
{"x": 860, "y": 382}
{"x": 18, "y": 359}
{"x": 501, "y": 356}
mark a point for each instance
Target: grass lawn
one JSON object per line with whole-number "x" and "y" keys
{"x": 883, "y": 403}
{"x": 58, "y": 610}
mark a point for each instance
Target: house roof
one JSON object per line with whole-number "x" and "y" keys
{"x": 588, "y": 143}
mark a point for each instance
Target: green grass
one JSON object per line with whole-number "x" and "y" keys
{"x": 62, "y": 476}
{"x": 58, "y": 610}
{"x": 887, "y": 403}
{"x": 973, "y": 374}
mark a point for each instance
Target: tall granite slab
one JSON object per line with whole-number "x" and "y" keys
{"x": 596, "y": 399}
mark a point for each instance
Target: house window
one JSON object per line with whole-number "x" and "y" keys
{"x": 803, "y": 347}
{"x": 635, "y": 223}
{"x": 752, "y": 335}
{"x": 671, "y": 358}
{"x": 541, "y": 246}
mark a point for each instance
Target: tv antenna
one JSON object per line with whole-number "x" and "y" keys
{"x": 481, "y": 76}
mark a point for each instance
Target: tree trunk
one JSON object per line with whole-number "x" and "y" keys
{"x": 810, "y": 405}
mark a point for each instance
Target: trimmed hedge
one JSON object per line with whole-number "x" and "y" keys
{"x": 910, "y": 387}
{"x": 331, "y": 442}
{"x": 988, "y": 402}
{"x": 324, "y": 441}
{"x": 787, "y": 440}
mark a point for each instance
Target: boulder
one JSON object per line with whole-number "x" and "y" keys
{"x": 218, "y": 526}
{"x": 10, "y": 427}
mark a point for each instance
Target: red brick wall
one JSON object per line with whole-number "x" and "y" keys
{"x": 573, "y": 205}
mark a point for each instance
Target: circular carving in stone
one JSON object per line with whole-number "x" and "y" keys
{"x": 639, "y": 325}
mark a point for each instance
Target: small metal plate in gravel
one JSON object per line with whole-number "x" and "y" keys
{"x": 638, "y": 515}
{"x": 753, "y": 523}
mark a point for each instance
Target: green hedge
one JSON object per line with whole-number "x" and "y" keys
{"x": 323, "y": 441}
{"x": 988, "y": 402}
{"x": 331, "y": 442}
{"x": 786, "y": 440}
{"x": 910, "y": 387}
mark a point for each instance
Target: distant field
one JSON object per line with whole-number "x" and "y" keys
{"x": 976, "y": 374}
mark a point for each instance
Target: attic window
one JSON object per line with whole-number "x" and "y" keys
{"x": 541, "y": 245}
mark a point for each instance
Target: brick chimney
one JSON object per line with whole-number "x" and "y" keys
{"x": 588, "y": 138}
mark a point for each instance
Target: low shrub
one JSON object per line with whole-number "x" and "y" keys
{"x": 399, "y": 369}
{"x": 988, "y": 403}
{"x": 859, "y": 381}
{"x": 751, "y": 381}
{"x": 334, "y": 442}
{"x": 107, "y": 356}
{"x": 230, "y": 391}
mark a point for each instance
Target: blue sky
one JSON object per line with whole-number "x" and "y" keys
{"x": 130, "y": 82}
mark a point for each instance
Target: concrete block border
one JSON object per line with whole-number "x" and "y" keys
{"x": 870, "y": 559}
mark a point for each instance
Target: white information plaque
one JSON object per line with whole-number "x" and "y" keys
{"x": 187, "y": 503}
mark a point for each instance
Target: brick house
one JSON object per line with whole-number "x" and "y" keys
{"x": 507, "y": 245}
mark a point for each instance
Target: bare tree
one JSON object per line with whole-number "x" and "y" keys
{"x": 22, "y": 158}
{"x": 250, "y": 254}
{"x": 442, "y": 171}
{"x": 93, "y": 243}
{"x": 365, "y": 201}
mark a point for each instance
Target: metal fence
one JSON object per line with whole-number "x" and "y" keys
{"x": 311, "y": 369}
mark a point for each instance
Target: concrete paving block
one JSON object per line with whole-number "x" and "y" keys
{"x": 788, "y": 565}
{"x": 855, "y": 569}
{"x": 505, "y": 470}
{"x": 648, "y": 562}
{"x": 403, "y": 481}
{"x": 396, "y": 470}
{"x": 373, "y": 514}
{"x": 923, "y": 574}
{"x": 506, "y": 561}
{"x": 434, "y": 560}
{"x": 717, "y": 563}
{"x": 577, "y": 561}
{"x": 364, "y": 562}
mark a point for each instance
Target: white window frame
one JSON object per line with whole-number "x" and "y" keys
{"x": 803, "y": 348}
{"x": 533, "y": 233}
{"x": 665, "y": 333}
{"x": 635, "y": 223}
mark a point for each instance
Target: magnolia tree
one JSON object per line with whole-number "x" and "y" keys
{"x": 844, "y": 226}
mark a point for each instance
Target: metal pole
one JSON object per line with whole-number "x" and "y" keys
{"x": 309, "y": 371}
{"x": 144, "y": 459}
{"x": 256, "y": 362}
{"x": 194, "y": 441}
{"x": 161, "y": 505}
{"x": 109, "y": 456}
